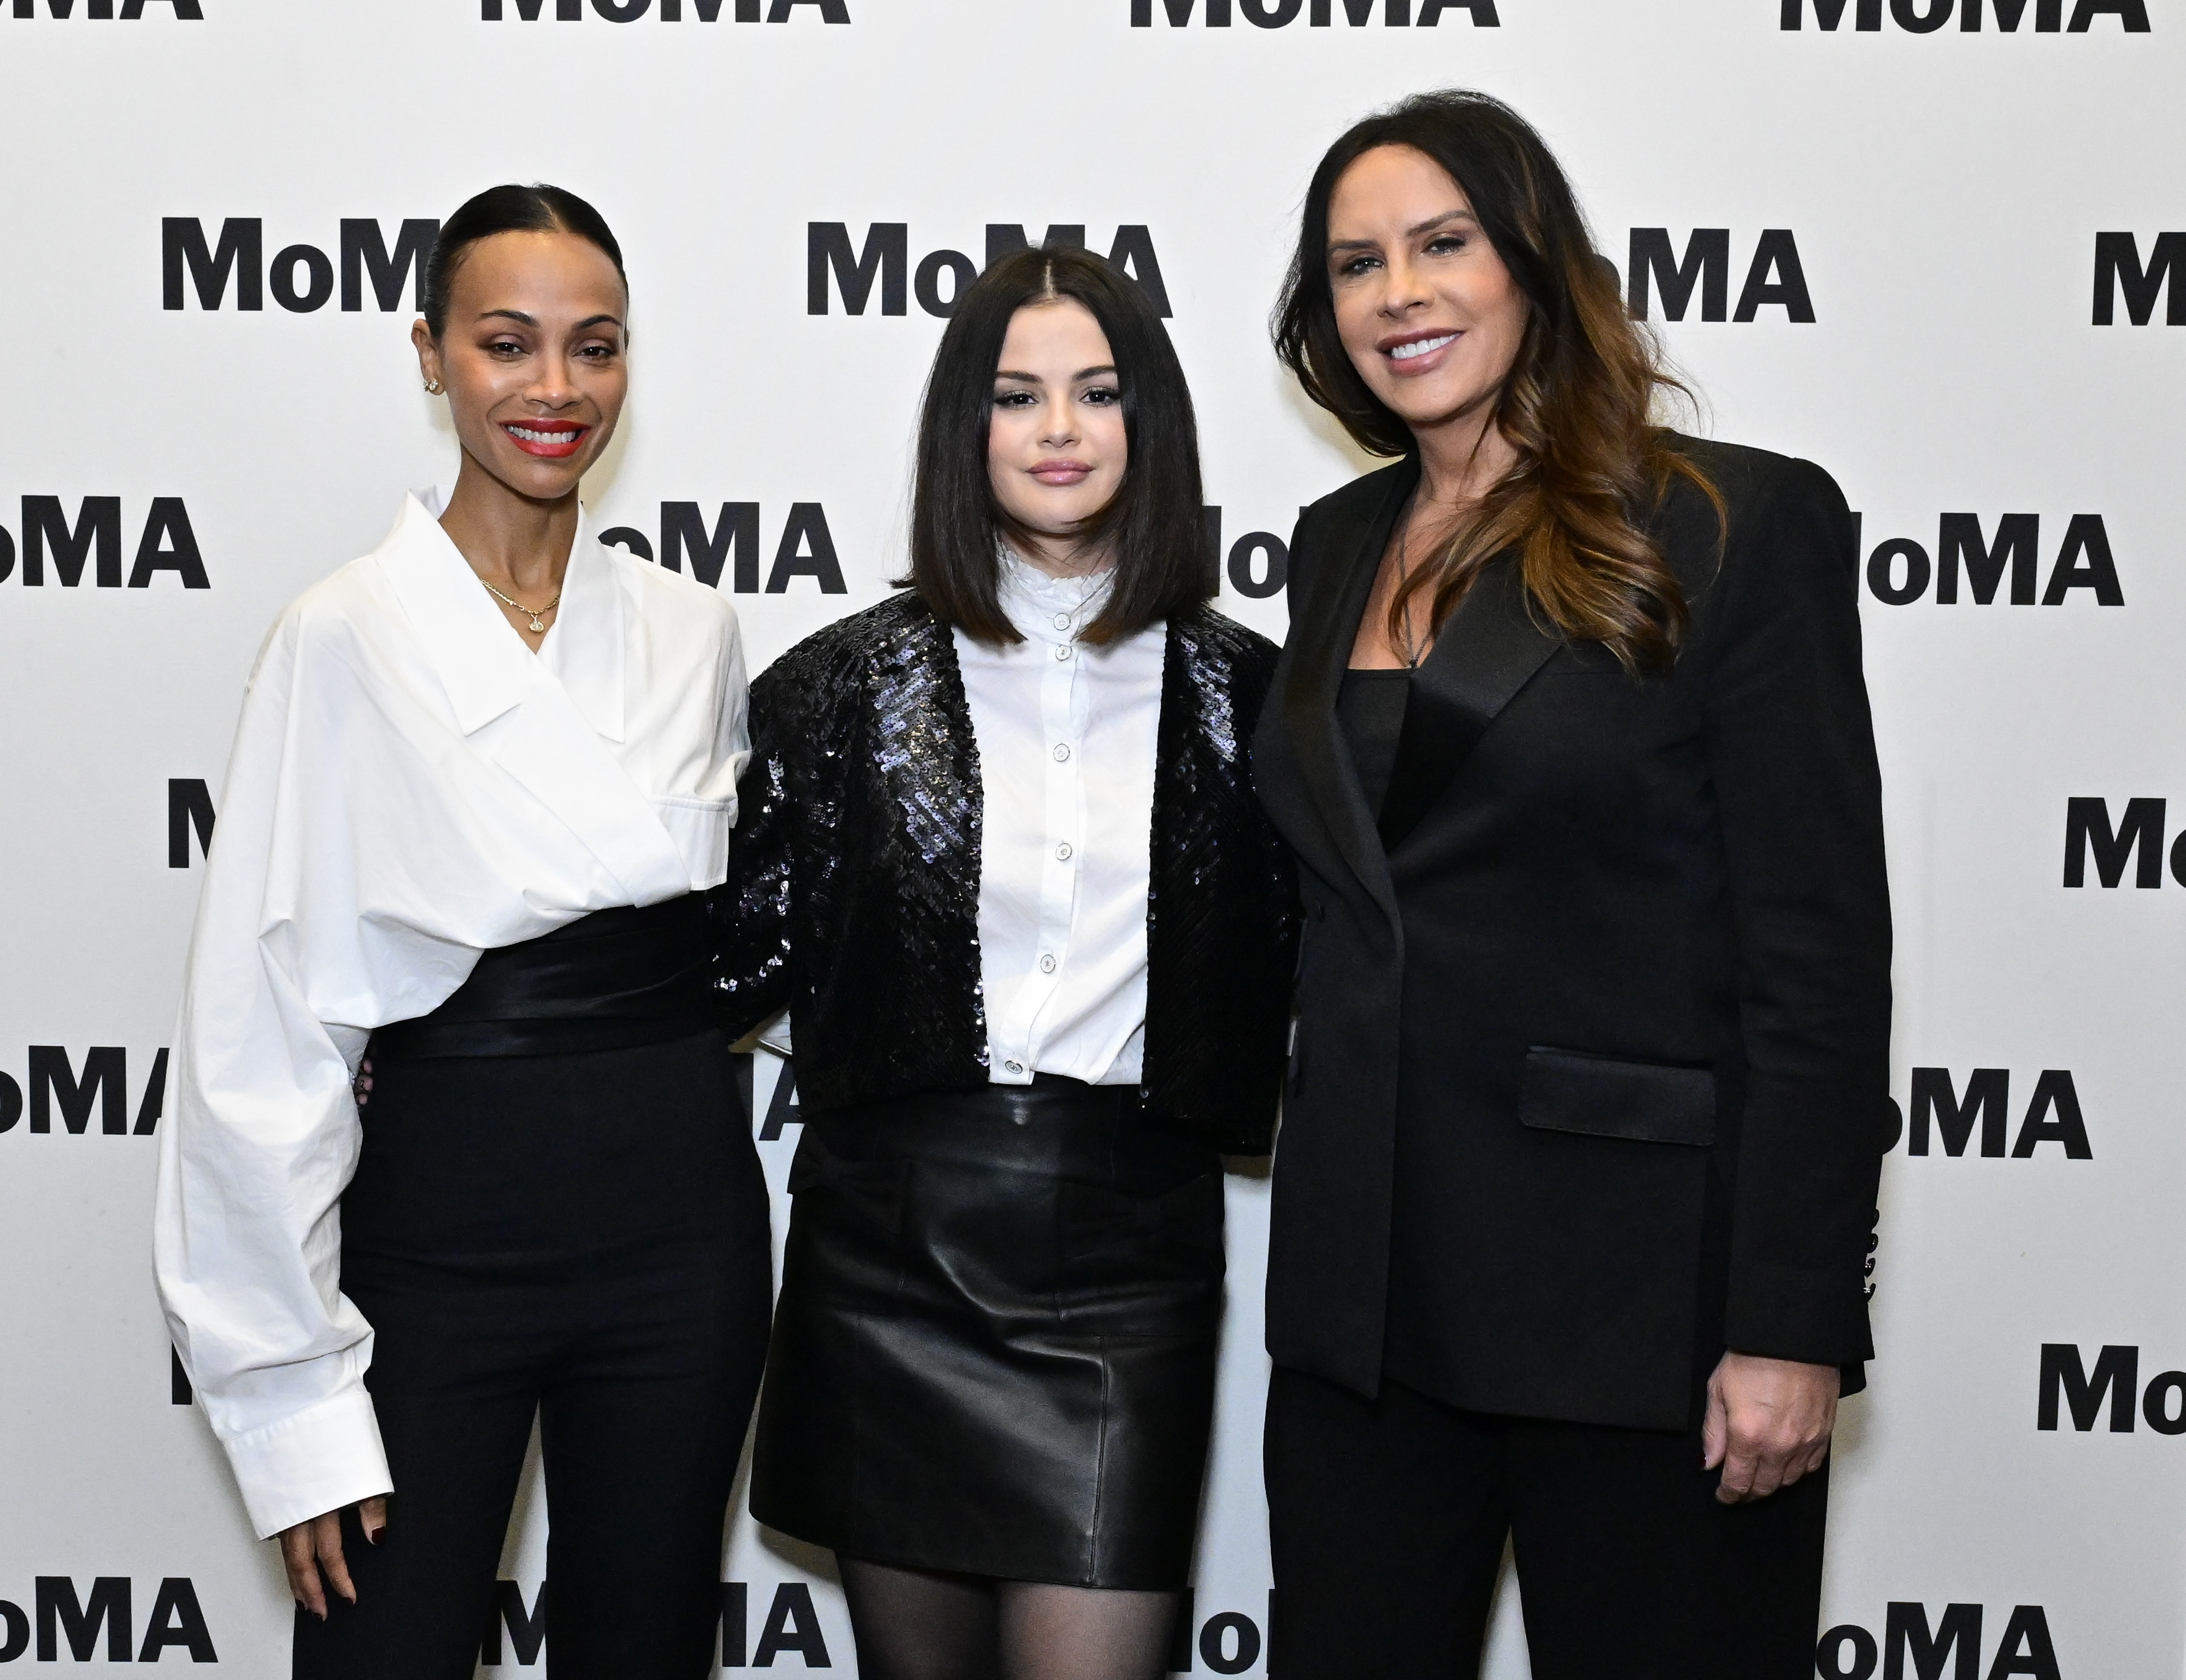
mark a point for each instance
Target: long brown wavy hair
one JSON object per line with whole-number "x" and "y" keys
{"x": 1578, "y": 404}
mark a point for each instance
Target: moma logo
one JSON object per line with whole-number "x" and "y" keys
{"x": 805, "y": 548}
{"x": 302, "y": 277}
{"x": 2118, "y": 268}
{"x": 1941, "y": 1113}
{"x": 1259, "y": 562}
{"x": 792, "y": 1624}
{"x": 882, "y": 260}
{"x": 1228, "y": 1642}
{"x": 189, "y": 812}
{"x": 1923, "y": 17}
{"x": 83, "y": 1620}
{"x": 1318, "y": 14}
{"x": 668, "y": 11}
{"x": 1899, "y": 571}
{"x": 1773, "y": 275}
{"x": 2068, "y": 1385}
{"x": 187, "y": 10}
{"x": 57, "y": 1085}
{"x": 92, "y": 541}
{"x": 1913, "y": 1643}
{"x": 2134, "y": 837}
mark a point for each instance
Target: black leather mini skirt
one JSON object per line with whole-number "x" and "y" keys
{"x": 994, "y": 1352}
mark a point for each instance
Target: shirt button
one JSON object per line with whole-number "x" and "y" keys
{"x": 1063, "y": 851}
{"x": 1063, "y": 621}
{"x": 1013, "y": 1067}
{"x": 1046, "y": 964}
{"x": 1062, "y": 751}
{"x": 1062, "y": 650}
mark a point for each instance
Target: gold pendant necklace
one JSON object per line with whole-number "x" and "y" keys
{"x": 537, "y": 623}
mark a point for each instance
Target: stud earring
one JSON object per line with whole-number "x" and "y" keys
{"x": 434, "y": 388}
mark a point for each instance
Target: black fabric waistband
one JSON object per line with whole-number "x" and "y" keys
{"x": 612, "y": 980}
{"x": 1062, "y": 1127}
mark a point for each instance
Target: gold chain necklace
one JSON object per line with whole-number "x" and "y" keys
{"x": 1403, "y": 570}
{"x": 537, "y": 623}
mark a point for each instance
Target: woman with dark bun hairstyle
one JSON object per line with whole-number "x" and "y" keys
{"x": 1580, "y": 1146}
{"x": 999, "y": 860}
{"x": 483, "y": 777}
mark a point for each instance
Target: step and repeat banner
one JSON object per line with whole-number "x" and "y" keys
{"x": 1938, "y": 246}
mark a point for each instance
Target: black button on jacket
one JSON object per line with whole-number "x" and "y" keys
{"x": 1592, "y": 1067}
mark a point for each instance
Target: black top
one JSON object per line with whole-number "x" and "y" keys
{"x": 852, "y": 895}
{"x": 1370, "y": 707}
{"x": 1594, "y": 1013}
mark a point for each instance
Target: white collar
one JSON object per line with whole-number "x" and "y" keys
{"x": 1033, "y": 600}
{"x": 482, "y": 664}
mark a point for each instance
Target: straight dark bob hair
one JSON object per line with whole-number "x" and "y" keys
{"x": 1152, "y": 526}
{"x": 537, "y": 209}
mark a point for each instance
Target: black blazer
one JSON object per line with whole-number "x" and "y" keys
{"x": 852, "y": 895}
{"x": 1591, "y": 1069}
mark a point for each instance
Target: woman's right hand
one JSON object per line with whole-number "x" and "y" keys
{"x": 313, "y": 1549}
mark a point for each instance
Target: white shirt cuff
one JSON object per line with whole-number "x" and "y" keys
{"x": 319, "y": 1460}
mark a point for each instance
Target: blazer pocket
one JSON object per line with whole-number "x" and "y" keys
{"x": 1599, "y": 1096}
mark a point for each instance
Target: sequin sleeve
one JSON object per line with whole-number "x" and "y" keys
{"x": 750, "y": 910}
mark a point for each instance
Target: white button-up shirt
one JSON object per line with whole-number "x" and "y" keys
{"x": 1067, "y": 736}
{"x": 409, "y": 784}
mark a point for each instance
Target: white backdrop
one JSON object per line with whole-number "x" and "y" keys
{"x": 1936, "y": 197}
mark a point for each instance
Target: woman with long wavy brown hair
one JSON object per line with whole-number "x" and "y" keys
{"x": 1580, "y": 1146}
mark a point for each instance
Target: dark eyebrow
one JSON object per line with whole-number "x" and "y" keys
{"x": 1033, "y": 378}
{"x": 531, "y": 321}
{"x": 1411, "y": 232}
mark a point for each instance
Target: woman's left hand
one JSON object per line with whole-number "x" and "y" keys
{"x": 1767, "y": 1424}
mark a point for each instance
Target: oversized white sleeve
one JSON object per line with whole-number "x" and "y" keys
{"x": 262, "y": 1134}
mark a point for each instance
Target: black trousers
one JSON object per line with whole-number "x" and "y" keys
{"x": 1389, "y": 1518}
{"x": 582, "y": 1238}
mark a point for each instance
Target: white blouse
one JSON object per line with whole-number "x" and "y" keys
{"x": 410, "y": 786}
{"x": 1067, "y": 736}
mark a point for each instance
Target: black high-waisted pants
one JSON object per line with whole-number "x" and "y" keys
{"x": 581, "y": 1237}
{"x": 1388, "y": 1519}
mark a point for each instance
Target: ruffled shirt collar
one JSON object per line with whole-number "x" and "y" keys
{"x": 1049, "y": 609}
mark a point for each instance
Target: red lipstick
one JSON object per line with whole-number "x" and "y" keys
{"x": 549, "y": 440}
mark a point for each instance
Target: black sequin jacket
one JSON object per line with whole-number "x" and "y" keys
{"x": 854, "y": 878}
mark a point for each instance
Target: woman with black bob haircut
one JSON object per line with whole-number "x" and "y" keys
{"x": 1580, "y": 1149}
{"x": 1000, "y": 861}
{"x": 483, "y": 777}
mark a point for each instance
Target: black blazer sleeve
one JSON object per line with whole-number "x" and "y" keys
{"x": 1790, "y": 748}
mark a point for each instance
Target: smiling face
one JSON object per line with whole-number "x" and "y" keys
{"x": 532, "y": 356}
{"x": 1056, "y": 443}
{"x": 1427, "y": 311}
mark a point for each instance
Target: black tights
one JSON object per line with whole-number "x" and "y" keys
{"x": 914, "y": 1624}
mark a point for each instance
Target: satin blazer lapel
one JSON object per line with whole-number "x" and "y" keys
{"x": 1488, "y": 650}
{"x": 1324, "y": 628}
{"x": 516, "y": 712}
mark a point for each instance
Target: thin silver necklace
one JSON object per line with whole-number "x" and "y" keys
{"x": 538, "y": 623}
